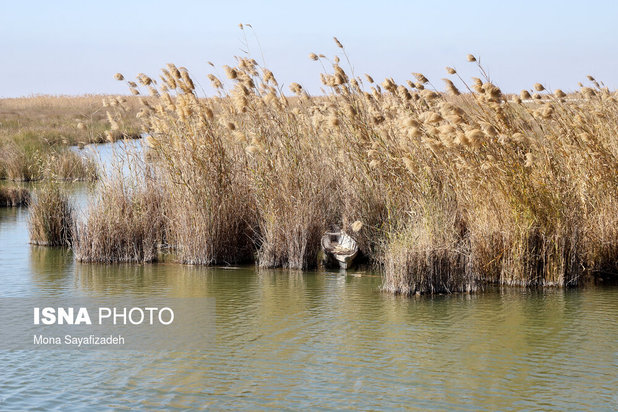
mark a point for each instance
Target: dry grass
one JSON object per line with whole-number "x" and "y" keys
{"x": 453, "y": 188}
{"x": 51, "y": 217}
{"x": 36, "y": 131}
{"x": 12, "y": 196}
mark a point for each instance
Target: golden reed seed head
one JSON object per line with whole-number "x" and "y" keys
{"x": 252, "y": 149}
{"x": 429, "y": 95}
{"x": 422, "y": 79}
{"x": 333, "y": 121}
{"x": 525, "y": 95}
{"x": 187, "y": 79}
{"x": 216, "y": 83}
{"x": 559, "y": 93}
{"x": 313, "y": 56}
{"x": 430, "y": 117}
{"x": 357, "y": 226}
{"x": 143, "y": 79}
{"x": 450, "y": 70}
{"x": 446, "y": 130}
{"x": 451, "y": 88}
{"x": 389, "y": 84}
{"x": 296, "y": 88}
{"x": 118, "y": 77}
{"x": 461, "y": 139}
{"x": 454, "y": 118}
{"x": 590, "y": 78}
{"x": 539, "y": 87}
{"x": 547, "y": 112}
{"x": 230, "y": 72}
{"x": 471, "y": 58}
{"x": 587, "y": 92}
{"x": 415, "y": 132}
{"x": 489, "y": 129}
{"x": 408, "y": 163}
{"x": 268, "y": 76}
{"x": 369, "y": 78}
{"x": 81, "y": 126}
{"x": 338, "y": 43}
{"x": 410, "y": 122}
{"x": 475, "y": 137}
{"x": 173, "y": 70}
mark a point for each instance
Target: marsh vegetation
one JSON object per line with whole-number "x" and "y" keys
{"x": 36, "y": 132}
{"x": 454, "y": 189}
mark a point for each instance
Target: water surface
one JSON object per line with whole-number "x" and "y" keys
{"x": 315, "y": 340}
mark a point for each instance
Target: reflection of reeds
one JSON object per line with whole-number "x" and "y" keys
{"x": 11, "y": 196}
{"x": 144, "y": 279}
{"x": 51, "y": 217}
{"x": 452, "y": 188}
{"x": 50, "y": 264}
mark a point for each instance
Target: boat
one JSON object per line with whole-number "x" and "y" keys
{"x": 339, "y": 248}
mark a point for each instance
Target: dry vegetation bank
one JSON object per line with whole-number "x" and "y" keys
{"x": 453, "y": 188}
{"x": 35, "y": 133}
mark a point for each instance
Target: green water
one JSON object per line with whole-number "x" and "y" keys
{"x": 314, "y": 340}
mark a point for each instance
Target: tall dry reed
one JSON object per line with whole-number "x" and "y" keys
{"x": 51, "y": 217}
{"x": 454, "y": 188}
{"x": 124, "y": 223}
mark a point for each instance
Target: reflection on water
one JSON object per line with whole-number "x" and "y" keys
{"x": 316, "y": 340}
{"x": 309, "y": 340}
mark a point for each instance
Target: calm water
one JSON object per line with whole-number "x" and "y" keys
{"x": 315, "y": 340}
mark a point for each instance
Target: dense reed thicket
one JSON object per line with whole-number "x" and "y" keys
{"x": 51, "y": 219}
{"x": 124, "y": 223}
{"x": 454, "y": 188}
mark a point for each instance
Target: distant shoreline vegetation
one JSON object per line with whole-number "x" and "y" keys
{"x": 454, "y": 189}
{"x": 36, "y": 132}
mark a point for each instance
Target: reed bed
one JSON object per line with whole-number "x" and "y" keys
{"x": 51, "y": 219}
{"x": 124, "y": 224}
{"x": 12, "y": 196}
{"x": 454, "y": 188}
